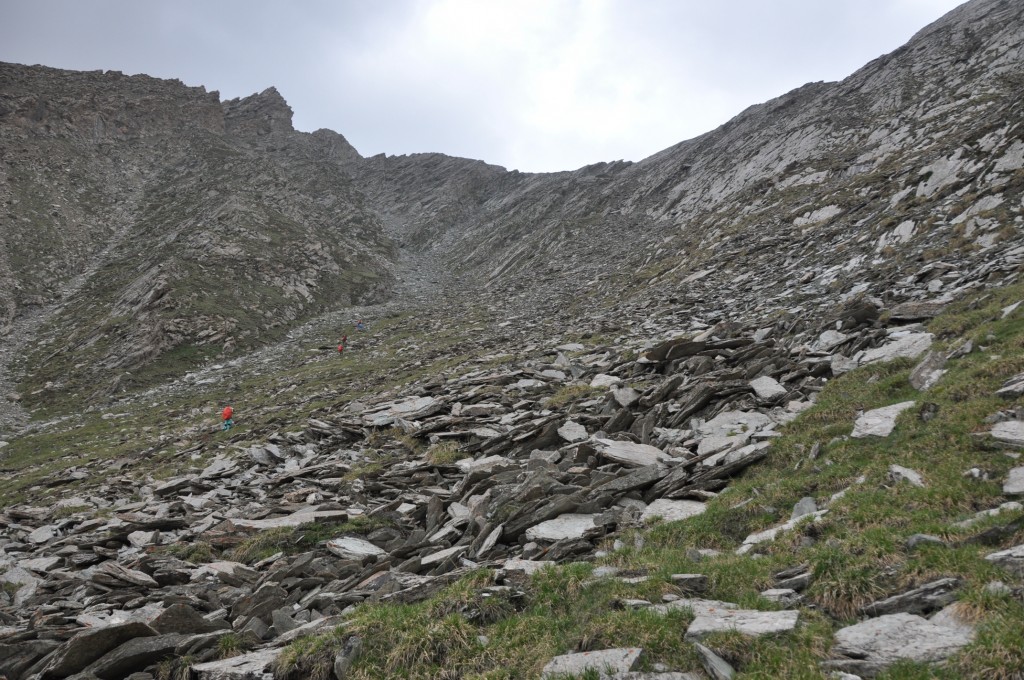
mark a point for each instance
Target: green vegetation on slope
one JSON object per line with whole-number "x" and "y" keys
{"x": 857, "y": 552}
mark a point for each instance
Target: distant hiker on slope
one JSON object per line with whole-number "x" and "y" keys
{"x": 360, "y": 326}
{"x": 226, "y": 417}
{"x": 341, "y": 349}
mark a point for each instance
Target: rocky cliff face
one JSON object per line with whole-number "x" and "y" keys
{"x": 150, "y": 226}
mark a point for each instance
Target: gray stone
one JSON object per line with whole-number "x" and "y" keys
{"x": 927, "y": 373}
{"x": 746, "y": 621}
{"x": 880, "y": 642}
{"x": 1010, "y": 432}
{"x": 89, "y": 645}
{"x": 715, "y": 666}
{"x": 565, "y": 526}
{"x": 673, "y": 511}
{"x": 805, "y": 506}
{"x": 607, "y": 662}
{"x": 628, "y": 453}
{"x": 352, "y": 548}
{"x": 296, "y": 519}
{"x": 918, "y": 540}
{"x": 134, "y": 655}
{"x": 767, "y": 389}
{"x": 1012, "y": 559}
{"x": 1012, "y": 388}
{"x": 908, "y": 346}
{"x": 252, "y": 666}
{"x": 898, "y": 473}
{"x": 879, "y": 422}
{"x": 769, "y": 534}
{"x": 921, "y": 600}
{"x": 1014, "y": 484}
{"x": 572, "y": 432}
{"x": 787, "y": 597}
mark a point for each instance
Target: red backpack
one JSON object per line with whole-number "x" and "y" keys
{"x": 227, "y": 413}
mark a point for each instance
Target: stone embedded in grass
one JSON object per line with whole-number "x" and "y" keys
{"x": 1011, "y": 560}
{"x": 1009, "y": 506}
{"x": 1010, "y": 432}
{"x": 769, "y": 534}
{"x": 1014, "y": 484}
{"x": 672, "y": 511}
{"x": 906, "y": 346}
{"x": 745, "y": 621}
{"x": 927, "y": 373}
{"x": 879, "y": 422}
{"x": 607, "y": 662}
{"x": 921, "y": 600}
{"x": 717, "y": 667}
{"x": 880, "y": 642}
{"x": 528, "y": 567}
{"x": 1012, "y": 388}
{"x": 787, "y": 597}
{"x": 898, "y": 473}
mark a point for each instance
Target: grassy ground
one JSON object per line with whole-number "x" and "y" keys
{"x": 857, "y": 553}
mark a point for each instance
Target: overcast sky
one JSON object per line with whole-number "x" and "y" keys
{"x": 534, "y": 85}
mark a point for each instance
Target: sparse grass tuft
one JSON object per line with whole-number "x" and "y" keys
{"x": 444, "y": 453}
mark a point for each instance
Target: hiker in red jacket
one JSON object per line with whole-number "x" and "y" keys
{"x": 226, "y": 417}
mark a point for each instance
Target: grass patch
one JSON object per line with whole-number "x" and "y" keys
{"x": 570, "y": 393}
{"x": 444, "y": 453}
{"x": 294, "y": 540}
{"x": 856, "y": 554}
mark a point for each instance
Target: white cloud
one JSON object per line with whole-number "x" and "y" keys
{"x": 529, "y": 84}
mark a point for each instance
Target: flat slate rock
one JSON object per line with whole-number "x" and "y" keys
{"x": 565, "y": 526}
{"x": 673, "y": 511}
{"x": 928, "y": 372}
{"x": 767, "y": 388}
{"x": 352, "y": 548}
{"x": 252, "y": 666}
{"x": 572, "y": 432}
{"x": 1011, "y": 559}
{"x": 628, "y": 453}
{"x": 295, "y": 519}
{"x": 89, "y": 645}
{"x": 1010, "y": 432}
{"x": 882, "y": 641}
{"x": 1014, "y": 484}
{"x": 879, "y": 422}
{"x": 609, "y": 663}
{"x": 746, "y": 621}
{"x": 909, "y": 346}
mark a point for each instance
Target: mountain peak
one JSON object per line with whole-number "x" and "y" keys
{"x": 258, "y": 114}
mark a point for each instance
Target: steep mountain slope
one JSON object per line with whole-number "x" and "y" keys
{"x": 830, "y": 173}
{"x": 169, "y": 227}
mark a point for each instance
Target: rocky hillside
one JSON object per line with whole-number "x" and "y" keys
{"x": 751, "y": 407}
{"x": 148, "y": 226}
